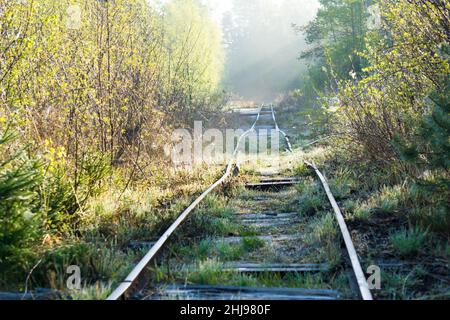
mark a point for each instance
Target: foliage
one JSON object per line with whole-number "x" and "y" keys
{"x": 431, "y": 146}
{"x": 109, "y": 83}
{"x": 193, "y": 62}
{"x": 335, "y": 36}
{"x": 20, "y": 215}
{"x": 389, "y": 103}
{"x": 92, "y": 89}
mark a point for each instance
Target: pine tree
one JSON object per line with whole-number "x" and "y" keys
{"x": 431, "y": 146}
{"x": 435, "y": 129}
{"x": 19, "y": 216}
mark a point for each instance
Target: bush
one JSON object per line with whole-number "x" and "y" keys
{"x": 64, "y": 193}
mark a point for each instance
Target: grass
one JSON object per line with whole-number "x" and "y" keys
{"x": 409, "y": 242}
{"x": 324, "y": 234}
{"x": 362, "y": 202}
{"x": 252, "y": 243}
{"x": 99, "y": 291}
{"x": 312, "y": 198}
{"x": 302, "y": 170}
{"x": 378, "y": 207}
{"x": 403, "y": 285}
{"x": 99, "y": 262}
{"x": 379, "y": 201}
{"x": 436, "y": 218}
{"x": 343, "y": 183}
{"x": 363, "y": 211}
{"x": 223, "y": 251}
{"x": 324, "y": 228}
{"x": 227, "y": 252}
{"x": 110, "y": 221}
{"x": 213, "y": 217}
{"x": 211, "y": 272}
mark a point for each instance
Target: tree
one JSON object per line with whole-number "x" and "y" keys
{"x": 194, "y": 59}
{"x": 20, "y": 218}
{"x": 388, "y": 111}
{"x": 431, "y": 147}
{"x": 336, "y": 35}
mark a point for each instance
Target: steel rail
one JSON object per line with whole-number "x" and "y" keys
{"x": 356, "y": 265}
{"x": 134, "y": 275}
{"x": 360, "y": 277}
{"x": 286, "y": 138}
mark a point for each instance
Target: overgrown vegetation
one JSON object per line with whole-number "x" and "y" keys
{"x": 378, "y": 87}
{"x": 89, "y": 93}
{"x": 91, "y": 90}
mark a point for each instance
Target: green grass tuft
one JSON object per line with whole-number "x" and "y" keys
{"x": 409, "y": 242}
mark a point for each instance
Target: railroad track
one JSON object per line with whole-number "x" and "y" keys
{"x": 277, "y": 247}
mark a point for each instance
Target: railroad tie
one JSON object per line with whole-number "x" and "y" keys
{"x": 212, "y": 292}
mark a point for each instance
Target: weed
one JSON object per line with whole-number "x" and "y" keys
{"x": 389, "y": 198}
{"x": 312, "y": 200}
{"x": 302, "y": 170}
{"x": 363, "y": 212}
{"x": 324, "y": 229}
{"x": 207, "y": 272}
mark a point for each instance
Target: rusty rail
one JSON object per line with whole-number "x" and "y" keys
{"x": 126, "y": 285}
{"x": 360, "y": 277}
{"x": 286, "y": 138}
{"x": 135, "y": 274}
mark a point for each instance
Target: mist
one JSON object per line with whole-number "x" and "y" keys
{"x": 262, "y": 48}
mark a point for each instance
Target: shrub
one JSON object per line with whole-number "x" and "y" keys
{"x": 64, "y": 193}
